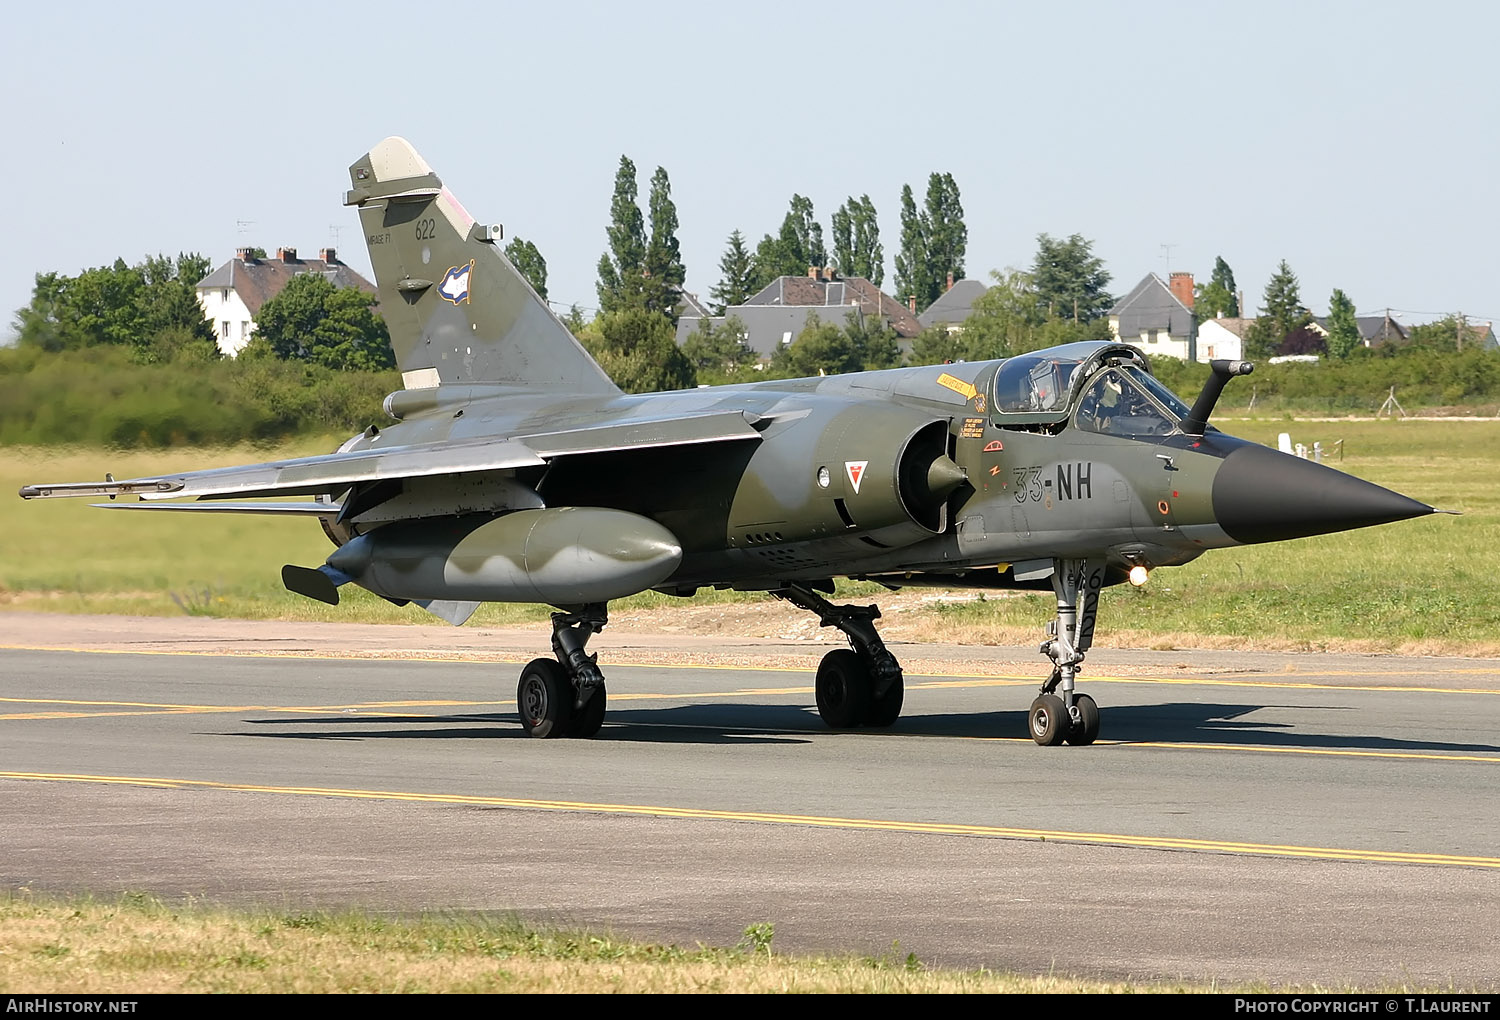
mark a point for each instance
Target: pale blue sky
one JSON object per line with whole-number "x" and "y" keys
{"x": 1356, "y": 140}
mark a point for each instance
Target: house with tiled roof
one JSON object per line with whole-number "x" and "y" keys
{"x": 232, "y": 295}
{"x": 1157, "y": 317}
{"x": 775, "y": 316}
{"x": 954, "y": 306}
{"x": 1373, "y": 329}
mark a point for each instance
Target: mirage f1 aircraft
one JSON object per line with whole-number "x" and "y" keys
{"x": 514, "y": 470}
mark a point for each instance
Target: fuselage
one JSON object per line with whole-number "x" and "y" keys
{"x": 959, "y": 474}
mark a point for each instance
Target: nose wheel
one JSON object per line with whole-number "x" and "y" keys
{"x": 1061, "y": 715}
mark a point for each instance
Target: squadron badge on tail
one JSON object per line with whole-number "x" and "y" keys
{"x": 455, "y": 285}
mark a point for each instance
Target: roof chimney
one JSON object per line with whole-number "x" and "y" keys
{"x": 812, "y": 272}
{"x": 328, "y": 255}
{"x": 244, "y": 254}
{"x": 1182, "y": 288}
{"x": 911, "y": 302}
{"x": 950, "y": 285}
{"x": 287, "y": 254}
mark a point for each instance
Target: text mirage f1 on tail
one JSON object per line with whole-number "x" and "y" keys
{"x": 516, "y": 471}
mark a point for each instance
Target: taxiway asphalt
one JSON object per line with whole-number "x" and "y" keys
{"x": 1273, "y": 818}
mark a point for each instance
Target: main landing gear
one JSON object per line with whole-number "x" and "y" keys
{"x": 856, "y": 686}
{"x": 1067, "y": 716}
{"x": 565, "y": 696}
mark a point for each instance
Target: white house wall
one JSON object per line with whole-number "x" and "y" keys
{"x": 1214, "y": 341}
{"x": 1161, "y": 342}
{"x": 230, "y": 319}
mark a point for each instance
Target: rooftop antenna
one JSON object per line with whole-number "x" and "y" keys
{"x": 243, "y": 226}
{"x": 333, "y": 234}
{"x": 1166, "y": 254}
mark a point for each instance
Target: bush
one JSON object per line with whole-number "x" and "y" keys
{"x": 104, "y": 396}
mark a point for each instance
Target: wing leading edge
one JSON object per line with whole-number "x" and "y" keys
{"x": 332, "y": 473}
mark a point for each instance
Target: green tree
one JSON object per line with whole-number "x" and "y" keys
{"x": 913, "y": 275}
{"x": 664, "y": 271}
{"x": 719, "y": 354}
{"x": 621, "y": 268}
{"x": 946, "y": 235}
{"x": 933, "y": 241}
{"x": 1218, "y": 296}
{"x": 736, "y": 274}
{"x": 1069, "y": 279}
{"x": 1005, "y": 318}
{"x": 856, "y": 240}
{"x": 1343, "y": 328}
{"x": 150, "y": 308}
{"x": 1281, "y": 315}
{"x": 315, "y": 321}
{"x": 820, "y": 349}
{"x": 574, "y": 320}
{"x": 873, "y": 343}
{"x": 795, "y": 248}
{"x": 803, "y": 234}
{"x": 1450, "y": 333}
{"x": 529, "y": 263}
{"x": 765, "y": 264}
{"x": 638, "y": 349}
{"x": 938, "y": 345}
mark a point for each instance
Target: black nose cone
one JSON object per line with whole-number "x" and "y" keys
{"x": 1261, "y": 495}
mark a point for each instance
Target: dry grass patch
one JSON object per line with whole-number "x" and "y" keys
{"x": 141, "y": 945}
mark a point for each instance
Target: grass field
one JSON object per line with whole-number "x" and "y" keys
{"x": 138, "y": 944}
{"x": 1431, "y": 585}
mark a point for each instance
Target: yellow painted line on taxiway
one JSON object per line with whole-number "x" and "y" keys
{"x": 772, "y": 818}
{"x": 1327, "y": 752}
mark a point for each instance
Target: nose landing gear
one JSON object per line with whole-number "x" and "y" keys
{"x": 1067, "y": 716}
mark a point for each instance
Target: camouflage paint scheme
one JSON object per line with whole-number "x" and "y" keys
{"x": 513, "y": 469}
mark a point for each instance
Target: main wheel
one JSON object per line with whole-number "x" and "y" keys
{"x": 587, "y": 720}
{"x": 885, "y": 711}
{"x": 1086, "y": 731}
{"x": 843, "y": 689}
{"x": 1049, "y": 721}
{"x": 544, "y": 697}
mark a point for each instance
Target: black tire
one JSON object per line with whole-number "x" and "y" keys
{"x": 587, "y": 720}
{"x": 1048, "y": 720}
{"x": 1086, "y": 730}
{"x": 884, "y": 711}
{"x": 843, "y": 689}
{"x": 544, "y": 699}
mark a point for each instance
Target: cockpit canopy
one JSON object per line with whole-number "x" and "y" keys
{"x": 1108, "y": 385}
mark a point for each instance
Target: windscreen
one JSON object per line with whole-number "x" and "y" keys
{"x": 1120, "y": 402}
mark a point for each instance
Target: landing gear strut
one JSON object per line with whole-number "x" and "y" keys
{"x": 1067, "y": 716}
{"x": 565, "y": 697}
{"x": 858, "y": 687}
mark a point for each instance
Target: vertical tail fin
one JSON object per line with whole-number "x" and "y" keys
{"x": 457, "y": 310}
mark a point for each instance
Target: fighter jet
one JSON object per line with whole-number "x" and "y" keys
{"x": 513, "y": 470}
